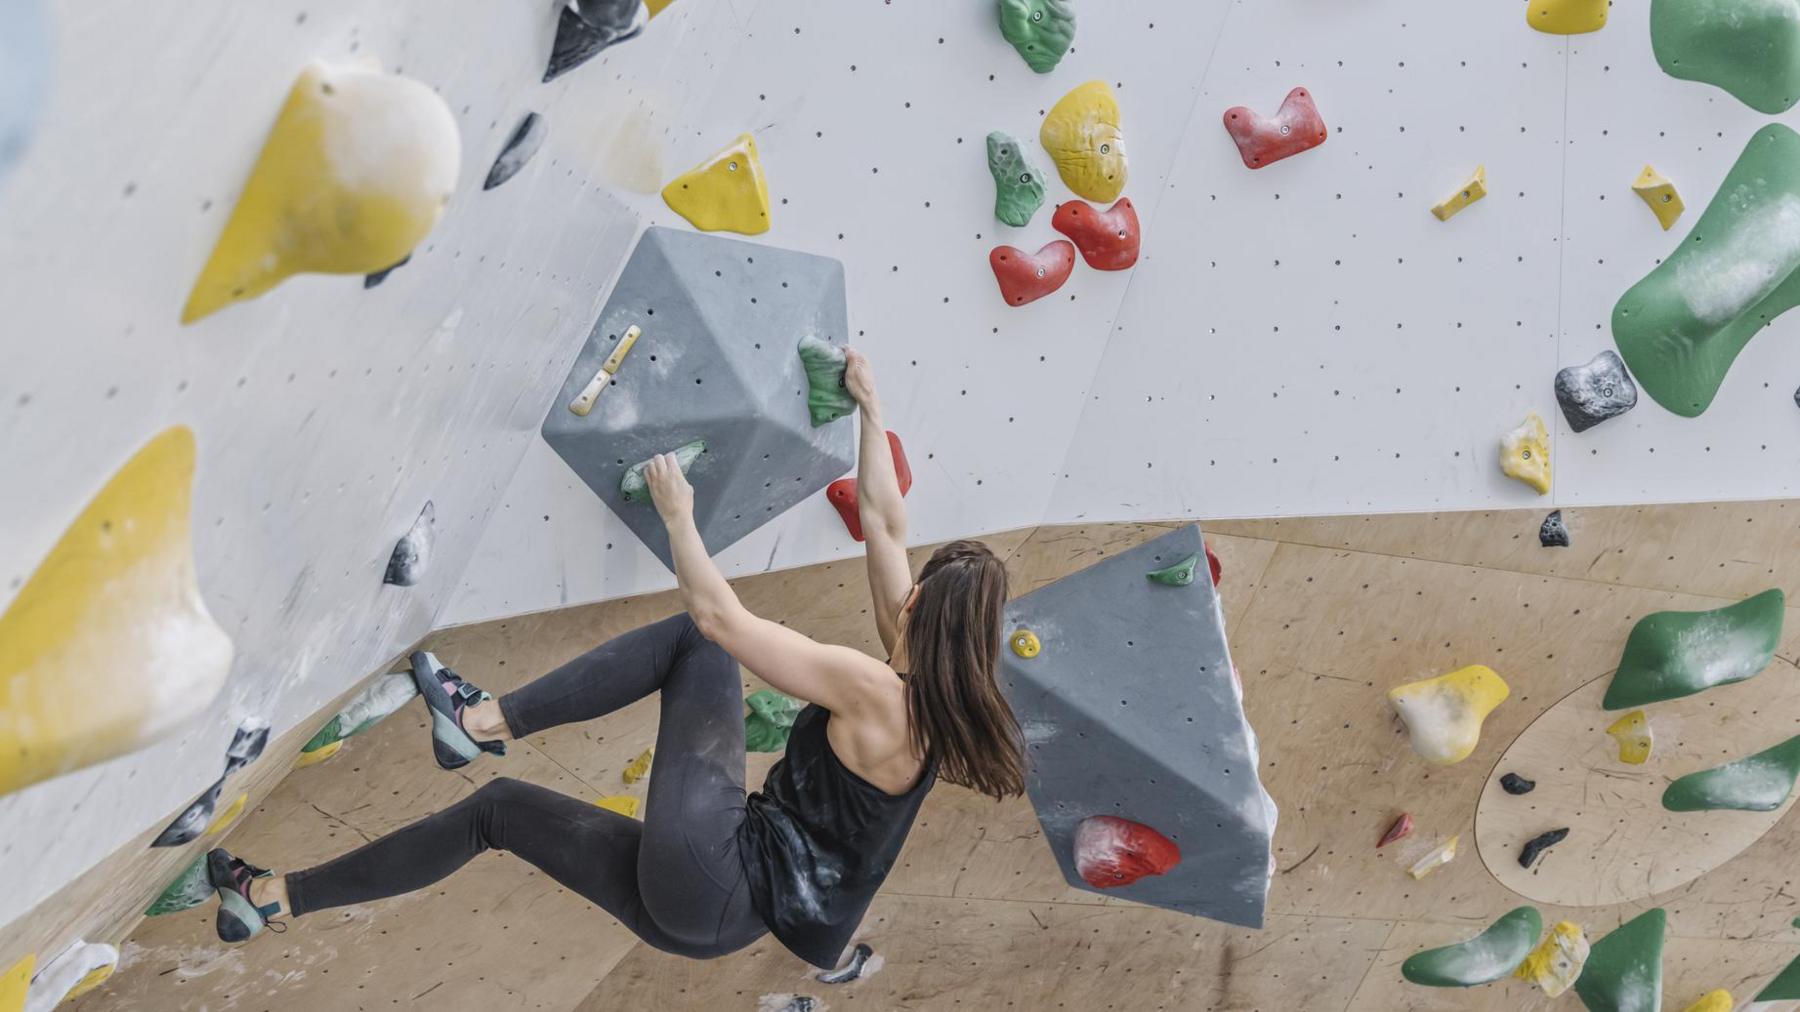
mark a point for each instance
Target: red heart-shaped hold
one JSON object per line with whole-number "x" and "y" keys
{"x": 1111, "y": 852}
{"x": 1025, "y": 277}
{"x": 1294, "y": 129}
{"x": 842, "y": 492}
{"x": 1108, "y": 240}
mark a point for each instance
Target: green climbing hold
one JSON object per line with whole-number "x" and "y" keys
{"x": 190, "y": 889}
{"x": 1750, "y": 48}
{"x": 383, "y": 696}
{"x": 1018, "y": 185}
{"x": 1483, "y": 959}
{"x": 1180, "y": 574}
{"x": 635, "y": 488}
{"x": 1756, "y": 783}
{"x": 1785, "y": 986}
{"x": 1671, "y": 654}
{"x": 1624, "y": 970}
{"x": 770, "y": 719}
{"x": 1681, "y": 327}
{"x": 826, "y": 397}
{"x": 1041, "y": 30}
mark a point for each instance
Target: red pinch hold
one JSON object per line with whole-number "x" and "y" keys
{"x": 1026, "y": 277}
{"x": 1111, "y": 852}
{"x": 1108, "y": 240}
{"x": 1401, "y": 827}
{"x": 1296, "y": 128}
{"x": 842, "y": 492}
{"x": 1212, "y": 563}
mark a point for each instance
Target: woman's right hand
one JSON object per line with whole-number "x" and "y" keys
{"x": 859, "y": 379}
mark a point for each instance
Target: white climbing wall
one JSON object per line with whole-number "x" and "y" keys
{"x": 1302, "y": 339}
{"x": 325, "y": 415}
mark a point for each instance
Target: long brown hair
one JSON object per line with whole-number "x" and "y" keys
{"x": 953, "y": 637}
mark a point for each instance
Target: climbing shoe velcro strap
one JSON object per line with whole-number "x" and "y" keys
{"x": 467, "y": 694}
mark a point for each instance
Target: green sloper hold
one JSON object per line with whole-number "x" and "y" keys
{"x": 1181, "y": 574}
{"x": 826, "y": 397}
{"x": 1018, "y": 185}
{"x": 1487, "y": 957}
{"x": 770, "y": 719}
{"x": 1756, "y": 783}
{"x": 1786, "y": 985}
{"x": 635, "y": 488}
{"x": 190, "y": 889}
{"x": 1041, "y": 30}
{"x": 1750, "y": 48}
{"x": 1681, "y": 327}
{"x": 1624, "y": 970}
{"x": 383, "y": 696}
{"x": 1671, "y": 654}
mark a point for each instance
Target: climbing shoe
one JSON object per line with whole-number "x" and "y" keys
{"x": 239, "y": 917}
{"x": 448, "y": 696}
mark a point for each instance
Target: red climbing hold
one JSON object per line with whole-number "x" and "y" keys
{"x": 1112, "y": 852}
{"x": 1401, "y": 827}
{"x": 1212, "y": 562}
{"x": 1025, "y": 277}
{"x": 1294, "y": 129}
{"x": 842, "y": 492}
{"x": 1108, "y": 240}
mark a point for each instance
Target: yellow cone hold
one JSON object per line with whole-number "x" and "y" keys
{"x": 640, "y": 767}
{"x": 1474, "y": 188}
{"x": 1084, "y": 138}
{"x": 15, "y": 984}
{"x": 1632, "y": 732}
{"x": 1659, "y": 193}
{"x": 228, "y": 816}
{"x": 1441, "y": 855}
{"x": 1567, "y": 17}
{"x": 318, "y": 755}
{"x": 1557, "y": 960}
{"x": 119, "y": 584}
{"x": 726, "y": 193}
{"x": 354, "y": 174}
{"x": 1525, "y": 454}
{"x": 624, "y": 804}
{"x": 1444, "y": 714}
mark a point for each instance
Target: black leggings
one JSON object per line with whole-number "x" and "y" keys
{"x": 674, "y": 879}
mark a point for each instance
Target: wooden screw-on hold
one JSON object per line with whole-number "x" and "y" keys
{"x": 591, "y": 393}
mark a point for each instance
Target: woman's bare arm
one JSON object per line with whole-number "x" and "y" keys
{"x": 880, "y": 505}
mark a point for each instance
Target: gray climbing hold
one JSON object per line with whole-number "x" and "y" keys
{"x": 1528, "y": 855}
{"x": 1553, "y": 533}
{"x": 1592, "y": 393}
{"x": 526, "y": 138}
{"x": 1161, "y": 735}
{"x": 586, "y": 27}
{"x": 371, "y": 280}
{"x": 24, "y": 75}
{"x": 246, "y": 745}
{"x": 851, "y": 970}
{"x": 724, "y": 372}
{"x": 412, "y": 555}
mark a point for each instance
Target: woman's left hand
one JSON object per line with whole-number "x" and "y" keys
{"x": 669, "y": 489}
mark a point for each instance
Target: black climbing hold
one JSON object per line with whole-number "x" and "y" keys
{"x": 1553, "y": 533}
{"x": 371, "y": 280}
{"x": 1592, "y": 393}
{"x": 1512, "y": 783}
{"x": 526, "y": 138}
{"x": 1540, "y": 843}
{"x": 851, "y": 970}
{"x": 588, "y": 26}
{"x": 413, "y": 553}
{"x": 246, "y": 746}
{"x": 1797, "y": 397}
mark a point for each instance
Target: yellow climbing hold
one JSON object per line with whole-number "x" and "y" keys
{"x": 1718, "y": 1000}
{"x": 1567, "y": 17}
{"x": 1441, "y": 855}
{"x": 640, "y": 767}
{"x": 119, "y": 584}
{"x": 624, "y": 804}
{"x": 1632, "y": 732}
{"x": 1659, "y": 193}
{"x": 15, "y": 984}
{"x": 1557, "y": 960}
{"x": 727, "y": 192}
{"x": 1444, "y": 714}
{"x": 657, "y": 6}
{"x": 318, "y": 755}
{"x": 1525, "y": 453}
{"x": 95, "y": 977}
{"x": 1083, "y": 136}
{"x": 1473, "y": 189}
{"x": 228, "y": 816}
{"x": 1025, "y": 644}
{"x": 358, "y": 168}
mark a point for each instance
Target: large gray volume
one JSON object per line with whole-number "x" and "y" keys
{"x": 720, "y": 319}
{"x": 1131, "y": 709}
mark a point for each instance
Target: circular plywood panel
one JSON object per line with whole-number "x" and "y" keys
{"x": 1622, "y": 844}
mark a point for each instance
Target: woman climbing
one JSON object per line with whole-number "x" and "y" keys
{"x": 710, "y": 870}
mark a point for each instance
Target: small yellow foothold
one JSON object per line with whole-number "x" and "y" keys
{"x": 228, "y": 816}
{"x": 1718, "y": 1000}
{"x": 640, "y": 767}
{"x": 318, "y": 755}
{"x": 1083, "y": 135}
{"x": 1025, "y": 644}
{"x": 1441, "y": 855}
{"x": 1567, "y": 17}
{"x": 624, "y": 804}
{"x": 657, "y": 6}
{"x": 1659, "y": 193}
{"x": 1444, "y": 714}
{"x": 1525, "y": 453}
{"x": 727, "y": 192}
{"x": 15, "y": 983}
{"x": 1471, "y": 191}
{"x": 1557, "y": 960}
{"x": 356, "y": 171}
{"x": 1632, "y": 732}
{"x": 95, "y": 977}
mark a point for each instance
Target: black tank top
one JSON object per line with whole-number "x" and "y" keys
{"x": 818, "y": 840}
